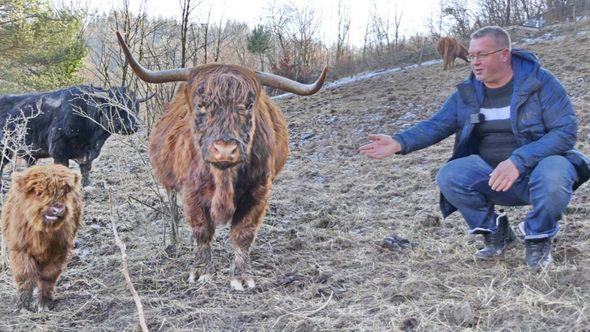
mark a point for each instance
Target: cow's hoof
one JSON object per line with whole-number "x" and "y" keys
{"x": 238, "y": 284}
{"x": 46, "y": 305}
{"x": 203, "y": 278}
{"x": 22, "y": 309}
{"x": 42, "y": 307}
{"x": 89, "y": 189}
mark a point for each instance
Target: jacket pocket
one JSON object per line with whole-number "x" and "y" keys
{"x": 530, "y": 119}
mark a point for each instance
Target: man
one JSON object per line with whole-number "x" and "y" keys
{"x": 515, "y": 133}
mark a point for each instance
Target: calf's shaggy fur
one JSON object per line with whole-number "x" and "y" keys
{"x": 40, "y": 218}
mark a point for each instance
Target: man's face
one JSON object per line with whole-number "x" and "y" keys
{"x": 492, "y": 68}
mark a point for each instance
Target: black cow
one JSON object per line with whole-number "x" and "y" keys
{"x": 72, "y": 123}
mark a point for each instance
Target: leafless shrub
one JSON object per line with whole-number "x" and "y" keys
{"x": 112, "y": 122}
{"x": 12, "y": 146}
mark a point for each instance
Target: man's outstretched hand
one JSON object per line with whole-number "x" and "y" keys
{"x": 504, "y": 176}
{"x": 381, "y": 146}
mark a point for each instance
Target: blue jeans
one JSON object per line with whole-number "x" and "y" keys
{"x": 548, "y": 188}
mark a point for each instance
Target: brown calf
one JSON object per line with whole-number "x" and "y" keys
{"x": 40, "y": 218}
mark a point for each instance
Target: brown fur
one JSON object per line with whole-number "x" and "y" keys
{"x": 450, "y": 49}
{"x": 39, "y": 249}
{"x": 211, "y": 196}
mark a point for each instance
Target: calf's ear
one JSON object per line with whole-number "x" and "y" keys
{"x": 18, "y": 179}
{"x": 77, "y": 178}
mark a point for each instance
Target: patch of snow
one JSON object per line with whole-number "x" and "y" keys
{"x": 365, "y": 76}
{"x": 545, "y": 38}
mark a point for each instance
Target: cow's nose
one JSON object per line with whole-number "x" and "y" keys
{"x": 58, "y": 210}
{"x": 225, "y": 151}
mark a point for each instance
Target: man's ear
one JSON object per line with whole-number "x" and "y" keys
{"x": 508, "y": 55}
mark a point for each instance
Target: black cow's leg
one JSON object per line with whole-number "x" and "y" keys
{"x": 30, "y": 160}
{"x": 243, "y": 232}
{"x": 203, "y": 230}
{"x": 5, "y": 160}
{"x": 85, "y": 170}
{"x": 61, "y": 161}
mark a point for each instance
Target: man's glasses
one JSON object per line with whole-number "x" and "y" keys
{"x": 471, "y": 57}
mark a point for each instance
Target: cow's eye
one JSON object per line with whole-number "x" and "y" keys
{"x": 245, "y": 109}
{"x": 201, "y": 118}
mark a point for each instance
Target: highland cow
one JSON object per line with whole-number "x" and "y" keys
{"x": 40, "y": 218}
{"x": 220, "y": 144}
{"x": 450, "y": 49}
{"x": 67, "y": 124}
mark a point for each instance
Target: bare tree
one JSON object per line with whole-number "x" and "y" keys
{"x": 186, "y": 10}
{"x": 343, "y": 37}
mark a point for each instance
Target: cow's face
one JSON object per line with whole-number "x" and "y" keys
{"x": 224, "y": 118}
{"x": 48, "y": 195}
{"x": 120, "y": 115}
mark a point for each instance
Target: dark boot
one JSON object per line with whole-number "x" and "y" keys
{"x": 496, "y": 242}
{"x": 538, "y": 253}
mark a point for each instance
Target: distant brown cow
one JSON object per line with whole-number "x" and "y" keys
{"x": 220, "y": 144}
{"x": 450, "y": 49}
{"x": 40, "y": 218}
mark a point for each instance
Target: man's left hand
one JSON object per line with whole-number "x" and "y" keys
{"x": 504, "y": 176}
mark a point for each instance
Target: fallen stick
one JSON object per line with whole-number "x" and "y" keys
{"x": 125, "y": 270}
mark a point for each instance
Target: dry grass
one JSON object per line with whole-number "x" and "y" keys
{"x": 318, "y": 260}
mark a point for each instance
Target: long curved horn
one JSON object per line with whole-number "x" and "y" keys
{"x": 144, "y": 99}
{"x": 285, "y": 84}
{"x": 163, "y": 76}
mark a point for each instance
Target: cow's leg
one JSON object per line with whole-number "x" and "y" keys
{"x": 61, "y": 161}
{"x": 46, "y": 284}
{"x": 24, "y": 270}
{"x": 30, "y": 160}
{"x": 85, "y": 171}
{"x": 203, "y": 231}
{"x": 245, "y": 225}
{"x": 5, "y": 160}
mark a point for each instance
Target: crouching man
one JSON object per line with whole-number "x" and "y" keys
{"x": 515, "y": 134}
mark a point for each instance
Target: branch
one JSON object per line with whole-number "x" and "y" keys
{"x": 125, "y": 269}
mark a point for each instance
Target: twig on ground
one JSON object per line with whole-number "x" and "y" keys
{"x": 146, "y": 204}
{"x": 125, "y": 269}
{"x": 307, "y": 315}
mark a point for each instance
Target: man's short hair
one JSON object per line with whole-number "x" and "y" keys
{"x": 501, "y": 37}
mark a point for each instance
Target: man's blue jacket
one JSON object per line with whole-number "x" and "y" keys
{"x": 541, "y": 113}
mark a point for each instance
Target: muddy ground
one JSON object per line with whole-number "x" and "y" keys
{"x": 318, "y": 259}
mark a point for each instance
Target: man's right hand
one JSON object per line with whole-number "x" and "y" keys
{"x": 381, "y": 146}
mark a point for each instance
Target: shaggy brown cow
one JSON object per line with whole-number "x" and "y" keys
{"x": 450, "y": 49}
{"x": 220, "y": 144}
{"x": 40, "y": 218}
